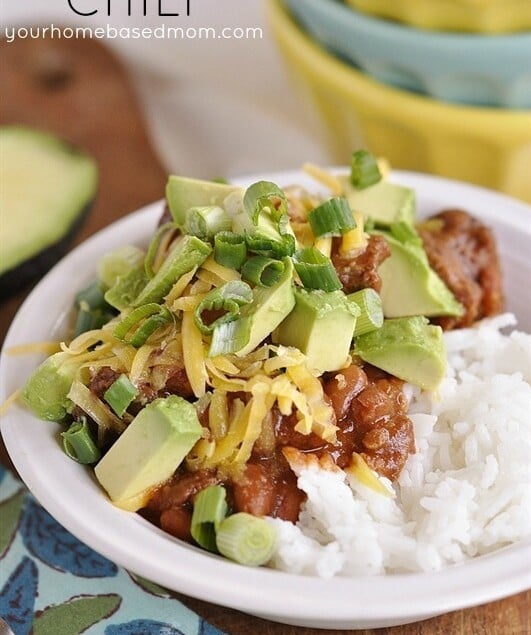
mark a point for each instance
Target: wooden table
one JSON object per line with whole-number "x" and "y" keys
{"x": 41, "y": 85}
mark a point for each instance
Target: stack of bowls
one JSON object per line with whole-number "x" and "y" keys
{"x": 450, "y": 103}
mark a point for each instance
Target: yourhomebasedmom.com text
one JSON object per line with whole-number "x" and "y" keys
{"x": 134, "y": 33}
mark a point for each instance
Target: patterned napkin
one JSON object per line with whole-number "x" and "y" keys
{"x": 52, "y": 584}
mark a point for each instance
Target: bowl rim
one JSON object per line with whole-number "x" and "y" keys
{"x": 118, "y": 534}
{"x": 512, "y": 125}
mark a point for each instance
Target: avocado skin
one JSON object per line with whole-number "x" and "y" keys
{"x": 19, "y": 277}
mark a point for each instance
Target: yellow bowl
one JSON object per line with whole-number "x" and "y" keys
{"x": 476, "y": 16}
{"x": 491, "y": 147}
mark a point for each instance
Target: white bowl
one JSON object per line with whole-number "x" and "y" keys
{"x": 70, "y": 493}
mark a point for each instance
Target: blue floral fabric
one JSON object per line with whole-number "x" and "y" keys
{"x": 53, "y": 584}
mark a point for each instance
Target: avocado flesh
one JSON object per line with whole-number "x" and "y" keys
{"x": 409, "y": 348}
{"x": 45, "y": 392}
{"x": 182, "y": 193}
{"x": 188, "y": 253}
{"x": 385, "y": 203}
{"x": 411, "y": 287}
{"x": 47, "y": 187}
{"x": 150, "y": 449}
{"x": 308, "y": 327}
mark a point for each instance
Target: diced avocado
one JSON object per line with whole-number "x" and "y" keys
{"x": 150, "y": 449}
{"x": 410, "y": 286}
{"x": 47, "y": 187}
{"x": 46, "y": 391}
{"x": 261, "y": 317}
{"x": 182, "y": 193}
{"x": 385, "y": 203}
{"x": 321, "y": 325}
{"x": 188, "y": 253}
{"x": 409, "y": 348}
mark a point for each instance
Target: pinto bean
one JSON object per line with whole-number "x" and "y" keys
{"x": 343, "y": 386}
{"x": 254, "y": 491}
{"x": 177, "y": 521}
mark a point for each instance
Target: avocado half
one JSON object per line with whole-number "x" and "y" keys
{"x": 47, "y": 188}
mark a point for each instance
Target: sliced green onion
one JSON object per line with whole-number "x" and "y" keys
{"x": 79, "y": 445}
{"x": 332, "y": 218}
{"x": 206, "y": 222}
{"x": 123, "y": 327}
{"x": 154, "y": 247}
{"x": 230, "y": 337}
{"x": 230, "y": 249}
{"x": 142, "y": 334}
{"x": 93, "y": 311}
{"x": 158, "y": 316}
{"x": 220, "y": 179}
{"x": 316, "y": 270}
{"x": 228, "y": 298}
{"x": 246, "y": 539}
{"x": 186, "y": 253}
{"x": 364, "y": 170}
{"x": 119, "y": 262}
{"x": 91, "y": 297}
{"x": 120, "y": 394}
{"x": 263, "y": 271}
{"x": 90, "y": 320}
{"x": 265, "y": 196}
{"x": 370, "y": 305}
{"x": 210, "y": 508}
{"x": 266, "y": 246}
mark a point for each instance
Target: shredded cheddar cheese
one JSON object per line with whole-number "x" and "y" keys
{"x": 48, "y": 348}
{"x": 9, "y": 402}
{"x": 83, "y": 397}
{"x": 324, "y": 177}
{"x": 140, "y": 363}
{"x": 355, "y": 239}
{"x": 179, "y": 287}
{"x": 359, "y": 469}
{"x": 194, "y": 353}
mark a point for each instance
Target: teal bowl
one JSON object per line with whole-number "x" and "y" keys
{"x": 483, "y": 70}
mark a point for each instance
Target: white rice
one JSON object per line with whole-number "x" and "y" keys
{"x": 466, "y": 491}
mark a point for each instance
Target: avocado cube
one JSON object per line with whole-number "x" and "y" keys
{"x": 385, "y": 203}
{"x": 182, "y": 193}
{"x": 46, "y": 391}
{"x": 409, "y": 348}
{"x": 410, "y": 286}
{"x": 150, "y": 449}
{"x": 321, "y": 325}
